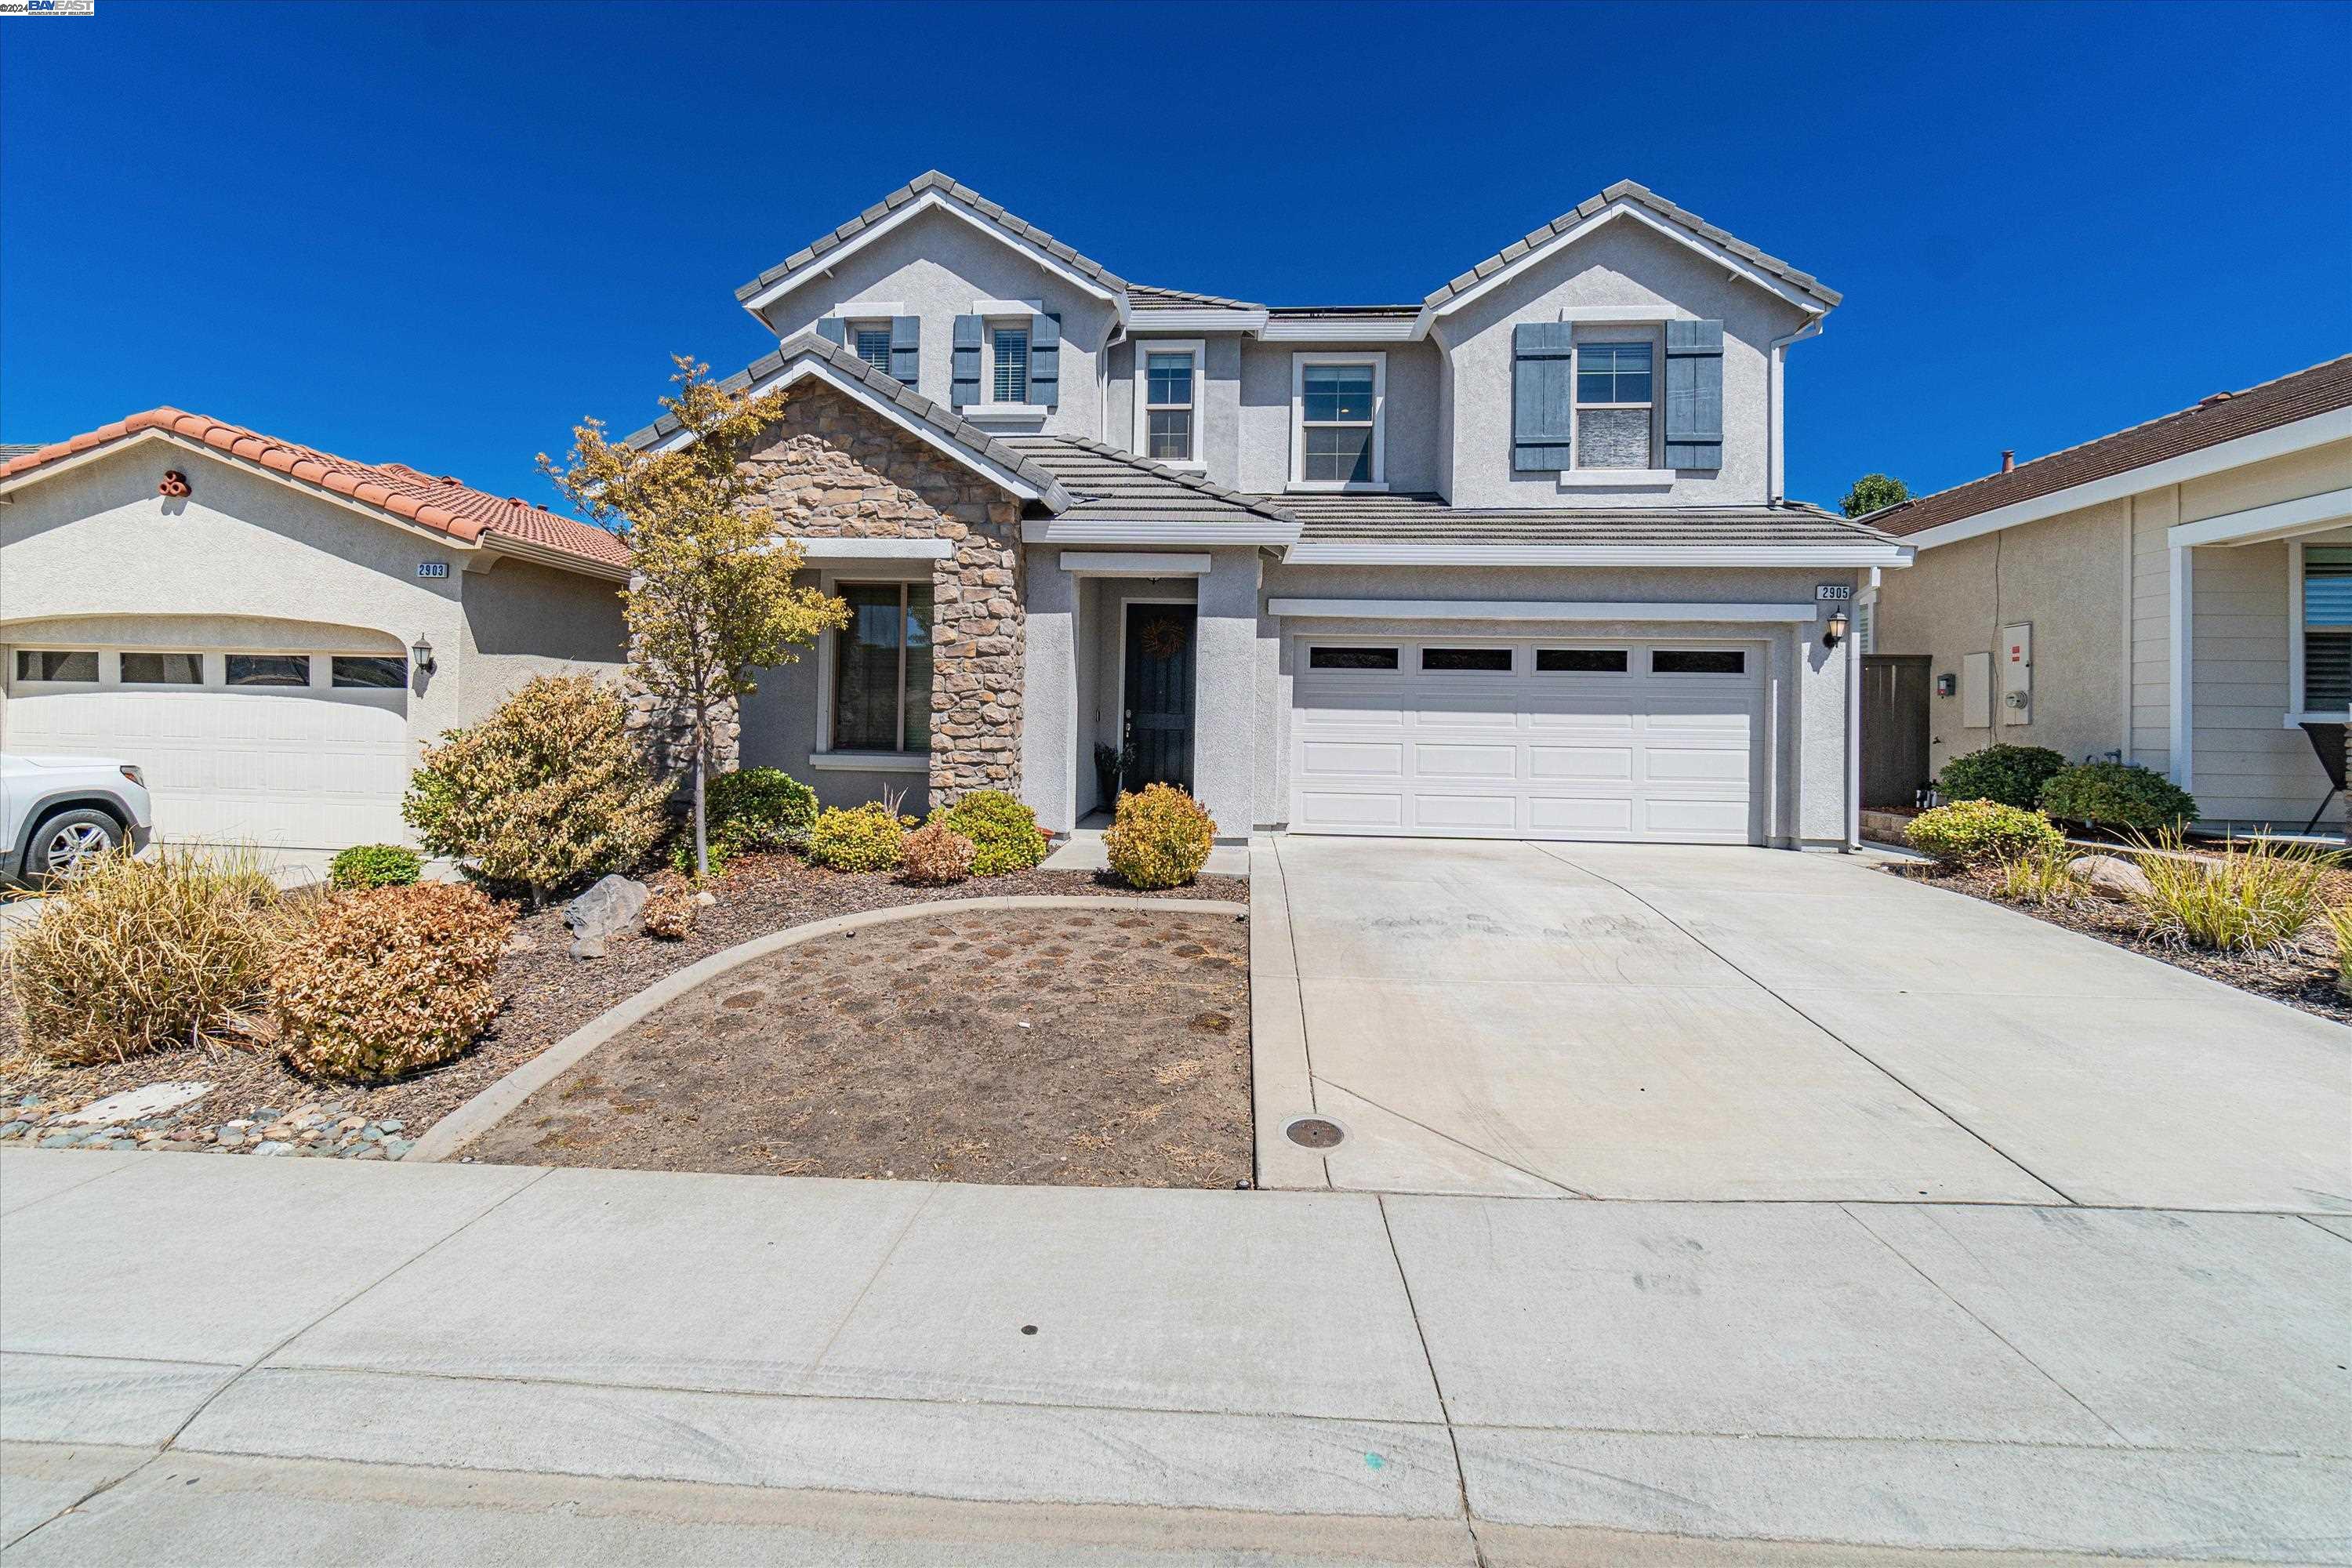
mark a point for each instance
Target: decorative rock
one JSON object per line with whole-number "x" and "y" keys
{"x": 133, "y": 1103}
{"x": 230, "y": 1138}
{"x": 2110, "y": 876}
{"x": 394, "y": 1148}
{"x": 60, "y": 1141}
{"x": 273, "y": 1148}
{"x": 14, "y": 1129}
{"x": 705, "y": 897}
{"x": 596, "y": 916}
{"x": 391, "y": 1126}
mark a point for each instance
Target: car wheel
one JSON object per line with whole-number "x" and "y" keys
{"x": 64, "y": 846}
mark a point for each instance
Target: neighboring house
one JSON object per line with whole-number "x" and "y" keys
{"x": 2178, "y": 595}
{"x": 1512, "y": 562}
{"x": 243, "y": 618}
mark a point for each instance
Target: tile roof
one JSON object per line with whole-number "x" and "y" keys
{"x": 937, "y": 416}
{"x": 1427, "y": 520}
{"x": 1144, "y": 297}
{"x": 18, "y": 448}
{"x": 932, "y": 180}
{"x": 1107, "y": 482}
{"x": 443, "y": 504}
{"x": 1627, "y": 190}
{"x": 2224, "y": 416}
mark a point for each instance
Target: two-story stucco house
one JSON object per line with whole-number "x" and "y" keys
{"x": 2177, "y": 595}
{"x": 1512, "y": 562}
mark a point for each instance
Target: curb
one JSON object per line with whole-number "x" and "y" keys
{"x": 449, "y": 1135}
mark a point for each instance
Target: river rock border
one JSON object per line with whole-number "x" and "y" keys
{"x": 449, "y": 1136}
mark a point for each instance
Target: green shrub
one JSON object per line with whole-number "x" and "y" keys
{"x": 2338, "y": 921}
{"x": 547, "y": 790}
{"x": 681, "y": 853}
{"x": 1004, "y": 832}
{"x": 1971, "y": 832}
{"x": 757, "y": 809}
{"x": 375, "y": 865}
{"x": 2251, "y": 897}
{"x": 2044, "y": 875}
{"x": 379, "y": 981}
{"x": 137, "y": 956}
{"x": 868, "y": 837}
{"x": 2012, "y": 775}
{"x": 1159, "y": 838}
{"x": 937, "y": 855}
{"x": 2117, "y": 796}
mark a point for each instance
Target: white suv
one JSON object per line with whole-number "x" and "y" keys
{"x": 56, "y": 812}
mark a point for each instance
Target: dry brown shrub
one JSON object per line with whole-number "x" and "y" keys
{"x": 374, "y": 983}
{"x": 670, "y": 914}
{"x": 935, "y": 854}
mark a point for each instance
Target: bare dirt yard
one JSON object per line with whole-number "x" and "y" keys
{"x": 1076, "y": 1047}
{"x": 544, "y": 994}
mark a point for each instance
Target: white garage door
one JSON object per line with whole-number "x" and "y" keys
{"x": 1560, "y": 738}
{"x": 296, "y": 750}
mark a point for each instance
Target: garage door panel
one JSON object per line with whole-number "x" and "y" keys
{"x": 1553, "y": 754}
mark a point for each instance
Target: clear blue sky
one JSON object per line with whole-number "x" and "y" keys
{"x": 441, "y": 234}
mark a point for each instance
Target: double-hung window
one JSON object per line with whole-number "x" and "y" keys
{"x": 1337, "y": 405}
{"x": 882, "y": 668}
{"x": 1009, "y": 364}
{"x": 2327, "y": 628}
{"x": 1168, "y": 402}
{"x": 1613, "y": 405}
{"x": 870, "y": 341}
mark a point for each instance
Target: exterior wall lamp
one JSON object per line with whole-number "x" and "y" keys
{"x": 1836, "y": 632}
{"x": 420, "y": 654}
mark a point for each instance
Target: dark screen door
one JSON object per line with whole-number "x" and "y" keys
{"x": 1894, "y": 689}
{"x": 1157, "y": 721}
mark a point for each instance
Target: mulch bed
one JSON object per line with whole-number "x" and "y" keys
{"x": 545, "y": 996}
{"x": 2304, "y": 978}
{"x": 1098, "y": 1047}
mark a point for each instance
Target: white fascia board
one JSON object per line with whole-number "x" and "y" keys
{"x": 875, "y": 549}
{"x": 1340, "y": 330}
{"x": 2258, "y": 524}
{"x": 1206, "y": 319}
{"x": 888, "y": 408}
{"x": 496, "y": 544}
{"x": 1788, "y": 293}
{"x": 2317, "y": 430}
{"x": 1134, "y": 563}
{"x": 1067, "y": 530}
{"x": 1532, "y": 610}
{"x": 1352, "y": 554}
{"x": 932, "y": 201}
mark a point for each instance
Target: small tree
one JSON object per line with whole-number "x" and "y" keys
{"x": 1873, "y": 492}
{"x": 712, "y": 598}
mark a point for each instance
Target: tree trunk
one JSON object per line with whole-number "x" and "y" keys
{"x": 701, "y": 805}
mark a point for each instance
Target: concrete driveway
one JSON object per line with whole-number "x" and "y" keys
{"x": 1632, "y": 1021}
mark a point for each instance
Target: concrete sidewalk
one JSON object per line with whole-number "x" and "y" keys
{"x": 241, "y": 1361}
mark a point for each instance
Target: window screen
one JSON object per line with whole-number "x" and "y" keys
{"x": 162, "y": 669}
{"x": 1581, "y": 660}
{"x": 1351, "y": 658}
{"x": 1475, "y": 660}
{"x": 42, "y": 664}
{"x": 1699, "y": 661}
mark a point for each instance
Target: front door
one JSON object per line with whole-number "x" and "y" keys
{"x": 1895, "y": 701}
{"x": 1157, "y": 695}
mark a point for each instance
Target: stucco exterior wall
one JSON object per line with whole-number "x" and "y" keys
{"x": 523, "y": 619}
{"x": 1411, "y": 427}
{"x": 1217, "y": 416}
{"x": 1622, "y": 264}
{"x": 936, "y": 266}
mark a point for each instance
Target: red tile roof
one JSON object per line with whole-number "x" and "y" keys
{"x": 443, "y": 504}
{"x": 2224, "y": 416}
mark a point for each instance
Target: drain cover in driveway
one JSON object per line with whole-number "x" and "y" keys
{"x": 1314, "y": 1132}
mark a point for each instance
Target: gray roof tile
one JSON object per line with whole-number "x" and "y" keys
{"x": 1107, "y": 479}
{"x": 1427, "y": 520}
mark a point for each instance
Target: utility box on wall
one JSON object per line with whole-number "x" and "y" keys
{"x": 1976, "y": 691}
{"x": 2017, "y": 674}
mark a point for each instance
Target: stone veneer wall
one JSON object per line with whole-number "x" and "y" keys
{"x": 834, "y": 469}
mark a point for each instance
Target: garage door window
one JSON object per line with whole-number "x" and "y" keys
{"x": 1467, "y": 661}
{"x": 162, "y": 669}
{"x": 378, "y": 673}
{"x": 268, "y": 670}
{"x": 1351, "y": 658}
{"x": 1699, "y": 661}
{"x": 1580, "y": 661}
{"x": 45, "y": 664}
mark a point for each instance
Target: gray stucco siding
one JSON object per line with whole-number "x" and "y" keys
{"x": 1217, "y": 407}
{"x": 1412, "y": 428}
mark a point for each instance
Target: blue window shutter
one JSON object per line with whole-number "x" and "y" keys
{"x": 1694, "y": 394}
{"x": 832, "y": 330}
{"x": 906, "y": 333}
{"x": 1045, "y": 361}
{"x": 964, "y": 389}
{"x": 1543, "y": 396}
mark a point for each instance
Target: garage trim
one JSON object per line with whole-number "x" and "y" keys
{"x": 1532, "y": 610}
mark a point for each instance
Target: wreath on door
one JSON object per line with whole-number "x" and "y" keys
{"x": 1164, "y": 636}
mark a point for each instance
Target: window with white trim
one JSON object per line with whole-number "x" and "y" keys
{"x": 1614, "y": 404}
{"x": 870, "y": 341}
{"x": 882, "y": 668}
{"x": 2326, "y": 627}
{"x": 1168, "y": 402}
{"x": 1338, "y": 403}
{"x": 1008, "y": 348}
